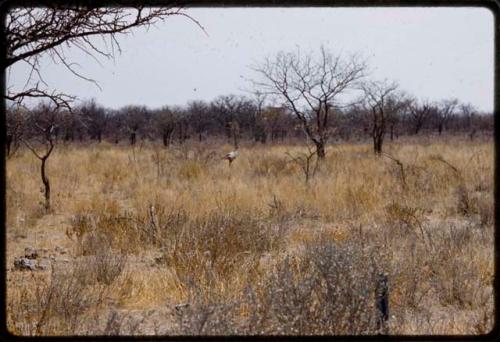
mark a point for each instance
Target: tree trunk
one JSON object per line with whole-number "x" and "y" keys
{"x": 235, "y": 134}
{"x": 320, "y": 149}
{"x": 440, "y": 128}
{"x": 8, "y": 143}
{"x": 417, "y": 129}
{"x": 132, "y": 138}
{"x": 377, "y": 145}
{"x": 99, "y": 136}
{"x": 378, "y": 139}
{"x": 182, "y": 134}
{"x": 46, "y": 183}
{"x": 262, "y": 137}
{"x": 235, "y": 141}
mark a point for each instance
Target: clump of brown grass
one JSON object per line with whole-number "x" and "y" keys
{"x": 59, "y": 305}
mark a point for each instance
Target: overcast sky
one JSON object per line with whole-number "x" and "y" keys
{"x": 433, "y": 53}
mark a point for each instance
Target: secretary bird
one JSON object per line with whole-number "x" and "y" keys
{"x": 231, "y": 156}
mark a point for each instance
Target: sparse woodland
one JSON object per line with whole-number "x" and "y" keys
{"x": 130, "y": 222}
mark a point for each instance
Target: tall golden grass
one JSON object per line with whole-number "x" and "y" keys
{"x": 179, "y": 225}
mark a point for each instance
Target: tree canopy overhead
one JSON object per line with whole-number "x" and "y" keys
{"x": 34, "y": 32}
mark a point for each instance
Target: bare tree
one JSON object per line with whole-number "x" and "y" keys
{"x": 33, "y": 32}
{"x": 181, "y": 124}
{"x": 420, "y": 114}
{"x": 72, "y": 126}
{"x": 259, "y": 127}
{"x": 228, "y": 107}
{"x": 305, "y": 160}
{"x": 134, "y": 119}
{"x": 114, "y": 128}
{"x": 381, "y": 103}
{"x": 468, "y": 111}
{"x": 40, "y": 137}
{"x": 275, "y": 119}
{"x": 15, "y": 116}
{"x": 445, "y": 111}
{"x": 400, "y": 103}
{"x": 94, "y": 118}
{"x": 310, "y": 87}
{"x": 198, "y": 117}
{"x": 165, "y": 123}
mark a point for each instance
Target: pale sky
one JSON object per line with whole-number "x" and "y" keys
{"x": 433, "y": 53}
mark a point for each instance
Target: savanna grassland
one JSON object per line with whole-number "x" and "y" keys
{"x": 154, "y": 240}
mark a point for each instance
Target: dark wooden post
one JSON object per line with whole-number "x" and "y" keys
{"x": 382, "y": 303}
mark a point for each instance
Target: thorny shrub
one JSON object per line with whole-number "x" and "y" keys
{"x": 323, "y": 291}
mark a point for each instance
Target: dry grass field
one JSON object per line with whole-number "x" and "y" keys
{"x": 148, "y": 240}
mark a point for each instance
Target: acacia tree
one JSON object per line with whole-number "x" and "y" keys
{"x": 275, "y": 119}
{"x": 228, "y": 108}
{"x": 419, "y": 114}
{"x": 165, "y": 123}
{"x": 31, "y": 33}
{"x": 71, "y": 126}
{"x": 380, "y": 101}
{"x": 467, "y": 111}
{"x": 400, "y": 104}
{"x": 94, "y": 118}
{"x": 310, "y": 87}
{"x": 135, "y": 119}
{"x": 445, "y": 111}
{"x": 15, "y": 119}
{"x": 259, "y": 128}
{"x": 40, "y": 137}
{"x": 181, "y": 124}
{"x": 198, "y": 111}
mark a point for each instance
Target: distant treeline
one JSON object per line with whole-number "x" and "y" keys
{"x": 231, "y": 117}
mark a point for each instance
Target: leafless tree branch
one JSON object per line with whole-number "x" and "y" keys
{"x": 32, "y": 32}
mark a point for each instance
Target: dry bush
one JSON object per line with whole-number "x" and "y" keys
{"x": 278, "y": 211}
{"x": 464, "y": 205}
{"x": 120, "y": 323}
{"x": 457, "y": 278}
{"x": 57, "y": 306}
{"x": 215, "y": 246}
{"x": 205, "y": 249}
{"x": 190, "y": 170}
{"x": 202, "y": 315}
{"x": 485, "y": 206}
{"x": 323, "y": 291}
{"x": 451, "y": 276}
{"x": 127, "y": 232}
{"x": 271, "y": 165}
{"x": 409, "y": 223}
{"x": 107, "y": 264}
